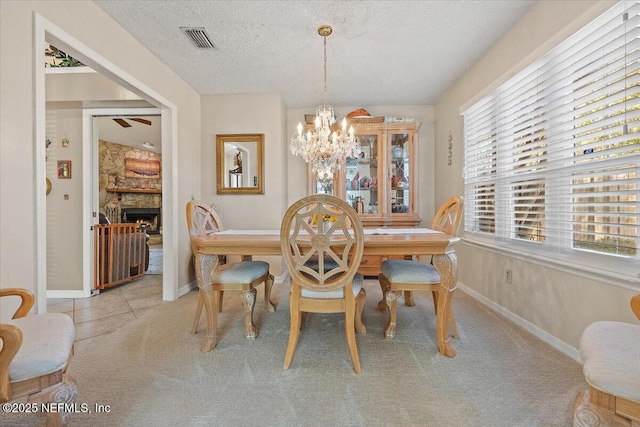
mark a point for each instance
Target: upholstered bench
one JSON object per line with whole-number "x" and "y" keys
{"x": 611, "y": 355}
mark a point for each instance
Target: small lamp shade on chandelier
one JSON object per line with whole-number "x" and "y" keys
{"x": 324, "y": 148}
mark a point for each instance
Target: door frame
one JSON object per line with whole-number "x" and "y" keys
{"x": 90, "y": 183}
{"x": 45, "y": 30}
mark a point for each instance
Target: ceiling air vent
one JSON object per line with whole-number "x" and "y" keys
{"x": 199, "y": 37}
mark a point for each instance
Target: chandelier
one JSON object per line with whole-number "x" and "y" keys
{"x": 323, "y": 148}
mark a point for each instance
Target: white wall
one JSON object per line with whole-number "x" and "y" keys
{"x": 559, "y": 302}
{"x": 239, "y": 114}
{"x": 64, "y": 203}
{"x": 95, "y": 29}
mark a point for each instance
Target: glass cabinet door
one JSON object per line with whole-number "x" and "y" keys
{"x": 400, "y": 172}
{"x": 322, "y": 183}
{"x": 362, "y": 178}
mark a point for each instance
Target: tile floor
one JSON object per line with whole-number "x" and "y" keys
{"x": 111, "y": 309}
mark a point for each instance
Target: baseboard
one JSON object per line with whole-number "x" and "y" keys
{"x": 545, "y": 336}
{"x": 183, "y": 290}
{"x": 65, "y": 294}
{"x": 279, "y": 280}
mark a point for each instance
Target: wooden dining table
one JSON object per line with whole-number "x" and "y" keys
{"x": 386, "y": 242}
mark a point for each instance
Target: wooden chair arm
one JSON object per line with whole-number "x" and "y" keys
{"x": 11, "y": 337}
{"x": 27, "y": 300}
{"x": 635, "y": 305}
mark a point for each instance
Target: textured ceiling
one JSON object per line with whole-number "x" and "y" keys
{"x": 380, "y": 53}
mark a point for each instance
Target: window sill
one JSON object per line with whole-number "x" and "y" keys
{"x": 621, "y": 272}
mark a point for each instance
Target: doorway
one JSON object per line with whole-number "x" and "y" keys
{"x": 45, "y": 30}
{"x": 120, "y": 135}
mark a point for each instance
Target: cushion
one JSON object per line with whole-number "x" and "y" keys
{"x": 243, "y": 272}
{"x": 356, "y": 284}
{"x": 611, "y": 355}
{"x": 46, "y": 345}
{"x": 407, "y": 271}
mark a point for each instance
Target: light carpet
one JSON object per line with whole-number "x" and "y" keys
{"x": 151, "y": 372}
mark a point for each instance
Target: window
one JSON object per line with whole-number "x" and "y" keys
{"x": 552, "y": 156}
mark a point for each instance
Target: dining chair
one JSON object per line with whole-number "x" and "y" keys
{"x": 35, "y": 352}
{"x": 397, "y": 276}
{"x": 610, "y": 352}
{"x": 323, "y": 289}
{"x": 241, "y": 276}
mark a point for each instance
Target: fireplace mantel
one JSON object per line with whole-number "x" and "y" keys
{"x": 134, "y": 190}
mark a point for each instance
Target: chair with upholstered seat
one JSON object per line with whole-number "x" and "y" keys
{"x": 241, "y": 276}
{"x": 611, "y": 355}
{"x": 407, "y": 275}
{"x": 329, "y": 284}
{"x": 35, "y": 353}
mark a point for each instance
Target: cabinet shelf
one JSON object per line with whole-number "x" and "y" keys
{"x": 352, "y": 163}
{"x": 355, "y": 190}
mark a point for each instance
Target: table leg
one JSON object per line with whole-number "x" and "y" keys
{"x": 382, "y": 304}
{"x": 447, "y": 266}
{"x": 205, "y": 265}
{"x": 268, "y": 286}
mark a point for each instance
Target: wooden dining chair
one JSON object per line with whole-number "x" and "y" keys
{"x": 408, "y": 275}
{"x": 324, "y": 289}
{"x": 241, "y": 276}
{"x": 35, "y": 352}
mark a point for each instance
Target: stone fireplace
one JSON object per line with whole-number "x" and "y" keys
{"x": 150, "y": 218}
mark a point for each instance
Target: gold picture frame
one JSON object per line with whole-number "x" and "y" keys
{"x": 64, "y": 169}
{"x": 240, "y": 163}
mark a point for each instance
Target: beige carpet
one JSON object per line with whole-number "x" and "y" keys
{"x": 151, "y": 372}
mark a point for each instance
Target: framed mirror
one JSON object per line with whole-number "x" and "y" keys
{"x": 240, "y": 163}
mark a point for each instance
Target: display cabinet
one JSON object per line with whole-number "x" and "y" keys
{"x": 380, "y": 183}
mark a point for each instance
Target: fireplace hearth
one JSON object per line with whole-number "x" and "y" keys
{"x": 148, "y": 218}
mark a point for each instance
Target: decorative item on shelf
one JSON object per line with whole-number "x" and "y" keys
{"x": 397, "y": 152}
{"x": 360, "y": 112}
{"x": 355, "y": 181}
{"x": 362, "y": 116}
{"x": 322, "y": 148}
{"x": 358, "y": 205}
{"x": 374, "y": 182}
{"x": 365, "y": 182}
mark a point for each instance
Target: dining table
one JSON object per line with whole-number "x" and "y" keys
{"x": 377, "y": 241}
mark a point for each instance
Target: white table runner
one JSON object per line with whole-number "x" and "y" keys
{"x": 366, "y": 231}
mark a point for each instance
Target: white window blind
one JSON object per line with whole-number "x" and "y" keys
{"x": 552, "y": 156}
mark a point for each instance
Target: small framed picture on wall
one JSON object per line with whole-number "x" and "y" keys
{"x": 64, "y": 169}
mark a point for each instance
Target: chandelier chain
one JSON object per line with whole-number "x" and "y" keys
{"x": 324, "y": 100}
{"x": 324, "y": 148}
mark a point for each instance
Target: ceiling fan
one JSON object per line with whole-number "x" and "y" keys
{"x": 125, "y": 124}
